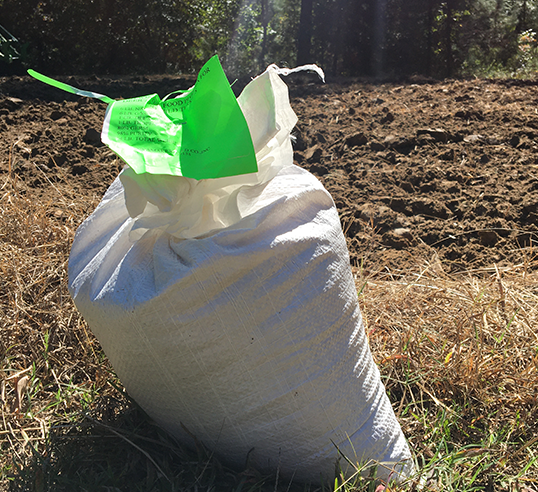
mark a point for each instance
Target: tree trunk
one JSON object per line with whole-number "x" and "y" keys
{"x": 338, "y": 40}
{"x": 449, "y": 12}
{"x": 265, "y": 22}
{"x": 304, "y": 37}
{"x": 522, "y": 24}
{"x": 429, "y": 39}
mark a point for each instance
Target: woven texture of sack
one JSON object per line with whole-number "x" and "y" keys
{"x": 248, "y": 335}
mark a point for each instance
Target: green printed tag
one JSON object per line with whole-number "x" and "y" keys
{"x": 201, "y": 134}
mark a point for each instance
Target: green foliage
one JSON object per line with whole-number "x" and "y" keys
{"x": 380, "y": 38}
{"x": 244, "y": 44}
{"x": 216, "y": 26}
{"x": 117, "y": 36}
{"x": 244, "y": 51}
{"x": 499, "y": 41}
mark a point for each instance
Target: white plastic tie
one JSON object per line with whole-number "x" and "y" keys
{"x": 302, "y": 68}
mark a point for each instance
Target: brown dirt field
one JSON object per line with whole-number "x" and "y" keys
{"x": 437, "y": 173}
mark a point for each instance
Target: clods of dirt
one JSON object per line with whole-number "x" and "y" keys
{"x": 445, "y": 171}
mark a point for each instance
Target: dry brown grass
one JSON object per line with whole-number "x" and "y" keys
{"x": 458, "y": 354}
{"x": 45, "y": 349}
{"x": 462, "y": 351}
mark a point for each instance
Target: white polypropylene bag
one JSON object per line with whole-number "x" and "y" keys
{"x": 228, "y": 309}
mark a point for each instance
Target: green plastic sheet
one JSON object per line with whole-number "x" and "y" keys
{"x": 201, "y": 134}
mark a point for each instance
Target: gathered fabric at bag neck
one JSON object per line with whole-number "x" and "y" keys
{"x": 187, "y": 208}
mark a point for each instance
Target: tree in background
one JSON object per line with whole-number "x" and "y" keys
{"x": 374, "y": 38}
{"x": 106, "y": 36}
{"x": 264, "y": 32}
{"x": 304, "y": 34}
{"x": 492, "y": 38}
{"x": 409, "y": 37}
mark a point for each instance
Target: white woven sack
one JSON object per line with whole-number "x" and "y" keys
{"x": 227, "y": 308}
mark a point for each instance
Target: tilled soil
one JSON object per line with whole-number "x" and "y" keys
{"x": 439, "y": 173}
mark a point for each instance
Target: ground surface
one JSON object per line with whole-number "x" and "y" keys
{"x": 444, "y": 173}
